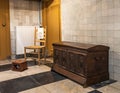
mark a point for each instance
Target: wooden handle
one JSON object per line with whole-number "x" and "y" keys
{"x": 3, "y": 24}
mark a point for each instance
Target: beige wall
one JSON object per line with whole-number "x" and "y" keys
{"x": 22, "y": 13}
{"x": 94, "y": 21}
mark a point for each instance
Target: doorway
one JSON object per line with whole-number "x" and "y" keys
{"x": 51, "y": 20}
{"x": 5, "y": 49}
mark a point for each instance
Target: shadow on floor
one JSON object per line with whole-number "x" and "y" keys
{"x": 29, "y": 63}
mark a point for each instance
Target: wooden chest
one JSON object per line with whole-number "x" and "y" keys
{"x": 86, "y": 64}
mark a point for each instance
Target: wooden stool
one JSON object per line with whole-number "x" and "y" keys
{"x": 19, "y": 65}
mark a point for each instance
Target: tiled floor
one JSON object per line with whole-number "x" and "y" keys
{"x": 40, "y": 79}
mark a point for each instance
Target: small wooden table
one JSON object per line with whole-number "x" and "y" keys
{"x": 19, "y": 65}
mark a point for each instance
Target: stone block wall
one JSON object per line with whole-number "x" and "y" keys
{"x": 96, "y": 22}
{"x": 22, "y": 13}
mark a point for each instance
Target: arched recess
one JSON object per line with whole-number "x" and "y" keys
{"x": 52, "y": 21}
